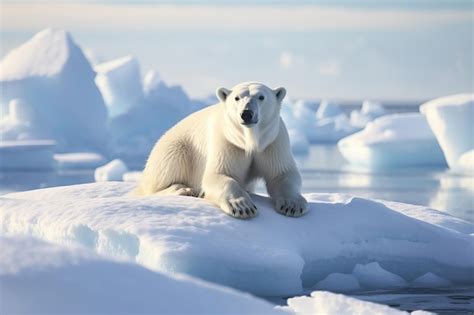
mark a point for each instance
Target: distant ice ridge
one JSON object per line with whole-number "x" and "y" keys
{"x": 452, "y": 120}
{"x": 48, "y": 91}
{"x": 30, "y": 155}
{"x": 369, "y": 111}
{"x": 41, "y": 278}
{"x": 79, "y": 160}
{"x": 328, "y": 124}
{"x": 378, "y": 245}
{"x": 393, "y": 141}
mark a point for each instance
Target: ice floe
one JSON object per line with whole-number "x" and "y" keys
{"x": 270, "y": 255}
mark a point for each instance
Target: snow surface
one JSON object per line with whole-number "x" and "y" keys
{"x": 270, "y": 255}
{"x": 79, "y": 160}
{"x": 112, "y": 171}
{"x": 328, "y": 109}
{"x": 29, "y": 155}
{"x": 326, "y": 303}
{"x": 120, "y": 83}
{"x": 55, "y": 83}
{"x": 369, "y": 111}
{"x": 452, "y": 120}
{"x": 393, "y": 140}
{"x": 41, "y": 278}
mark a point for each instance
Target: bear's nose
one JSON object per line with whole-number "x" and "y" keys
{"x": 247, "y": 115}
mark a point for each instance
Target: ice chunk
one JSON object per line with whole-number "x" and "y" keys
{"x": 270, "y": 255}
{"x": 372, "y": 276}
{"x": 42, "y": 278}
{"x": 55, "y": 82}
{"x": 120, "y": 83}
{"x": 369, "y": 111}
{"x": 430, "y": 280}
{"x": 79, "y": 160}
{"x": 338, "y": 282}
{"x": 27, "y": 155}
{"x": 112, "y": 171}
{"x": 393, "y": 140}
{"x": 328, "y": 109}
{"x": 452, "y": 120}
{"x": 322, "y": 303}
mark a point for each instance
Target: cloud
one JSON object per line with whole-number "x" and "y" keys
{"x": 90, "y": 16}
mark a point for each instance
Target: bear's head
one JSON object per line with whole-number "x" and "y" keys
{"x": 253, "y": 109}
{"x": 251, "y": 103}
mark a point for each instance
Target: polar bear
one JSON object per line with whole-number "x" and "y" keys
{"x": 220, "y": 151}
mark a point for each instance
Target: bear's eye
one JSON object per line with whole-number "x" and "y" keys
{"x": 261, "y": 97}
{"x": 237, "y": 98}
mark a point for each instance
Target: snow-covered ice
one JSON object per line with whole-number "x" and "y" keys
{"x": 369, "y": 111}
{"x": 112, "y": 171}
{"x": 393, "y": 140}
{"x": 270, "y": 255}
{"x": 41, "y": 278}
{"x": 27, "y": 155}
{"x": 55, "y": 83}
{"x": 79, "y": 160}
{"x": 452, "y": 120}
{"x": 120, "y": 83}
{"x": 299, "y": 142}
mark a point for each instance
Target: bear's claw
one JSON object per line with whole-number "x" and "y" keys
{"x": 241, "y": 208}
{"x": 291, "y": 207}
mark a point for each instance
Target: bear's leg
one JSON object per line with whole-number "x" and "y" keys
{"x": 226, "y": 193}
{"x": 177, "y": 190}
{"x": 285, "y": 194}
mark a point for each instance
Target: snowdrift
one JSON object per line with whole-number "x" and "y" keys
{"x": 452, "y": 120}
{"x": 378, "y": 245}
{"x": 41, "y": 278}
{"x": 52, "y": 81}
{"x": 393, "y": 141}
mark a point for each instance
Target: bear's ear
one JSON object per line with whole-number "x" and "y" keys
{"x": 222, "y": 94}
{"x": 280, "y": 93}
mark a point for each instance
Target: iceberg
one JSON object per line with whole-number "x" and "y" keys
{"x": 59, "y": 98}
{"x": 270, "y": 255}
{"x": 120, "y": 83}
{"x": 42, "y": 278}
{"x": 452, "y": 120}
{"x": 397, "y": 140}
{"x": 369, "y": 111}
{"x": 29, "y": 155}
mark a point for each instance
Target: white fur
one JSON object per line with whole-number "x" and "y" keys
{"x": 212, "y": 155}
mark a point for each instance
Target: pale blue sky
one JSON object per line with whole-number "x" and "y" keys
{"x": 317, "y": 49}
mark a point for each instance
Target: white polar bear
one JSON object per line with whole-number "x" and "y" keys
{"x": 218, "y": 152}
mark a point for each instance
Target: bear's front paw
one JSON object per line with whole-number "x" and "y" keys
{"x": 291, "y": 206}
{"x": 240, "y": 207}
